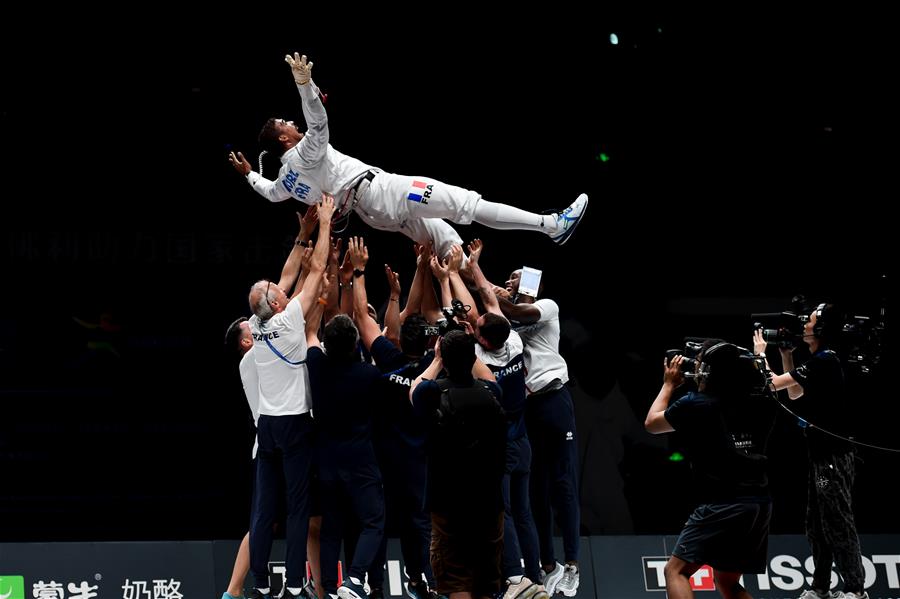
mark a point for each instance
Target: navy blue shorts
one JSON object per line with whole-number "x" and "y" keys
{"x": 731, "y": 537}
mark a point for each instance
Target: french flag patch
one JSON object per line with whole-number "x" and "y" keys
{"x": 419, "y": 191}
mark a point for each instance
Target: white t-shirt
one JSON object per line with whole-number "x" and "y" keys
{"x": 283, "y": 387}
{"x": 542, "y": 360}
{"x": 250, "y": 381}
{"x": 503, "y": 356}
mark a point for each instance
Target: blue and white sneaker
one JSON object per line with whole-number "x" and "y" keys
{"x": 569, "y": 218}
{"x": 351, "y": 590}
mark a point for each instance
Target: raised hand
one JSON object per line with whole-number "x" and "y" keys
{"x": 335, "y": 251}
{"x": 326, "y": 207}
{"x": 454, "y": 260}
{"x": 301, "y": 70}
{"x": 500, "y": 292}
{"x": 306, "y": 259}
{"x": 759, "y": 344}
{"x": 359, "y": 253}
{"x": 475, "y": 247}
{"x": 308, "y": 222}
{"x": 439, "y": 268}
{"x": 239, "y": 163}
{"x": 346, "y": 270}
{"x": 393, "y": 279}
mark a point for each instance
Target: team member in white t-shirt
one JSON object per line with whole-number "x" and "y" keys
{"x": 284, "y": 427}
{"x": 550, "y": 421}
{"x": 502, "y": 350}
{"x": 239, "y": 339}
{"x": 412, "y": 205}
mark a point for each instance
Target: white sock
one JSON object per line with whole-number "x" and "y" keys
{"x": 294, "y": 590}
{"x": 264, "y": 591}
{"x": 515, "y": 579}
{"x": 503, "y": 216}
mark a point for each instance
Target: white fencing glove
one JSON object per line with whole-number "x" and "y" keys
{"x": 299, "y": 67}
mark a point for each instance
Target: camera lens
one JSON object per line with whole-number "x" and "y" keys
{"x": 688, "y": 366}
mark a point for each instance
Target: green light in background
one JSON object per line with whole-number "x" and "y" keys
{"x": 603, "y": 157}
{"x": 676, "y": 457}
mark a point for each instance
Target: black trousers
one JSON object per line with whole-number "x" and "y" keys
{"x": 830, "y": 527}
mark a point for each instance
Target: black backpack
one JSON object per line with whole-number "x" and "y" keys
{"x": 468, "y": 416}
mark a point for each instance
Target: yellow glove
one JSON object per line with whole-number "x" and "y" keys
{"x": 299, "y": 67}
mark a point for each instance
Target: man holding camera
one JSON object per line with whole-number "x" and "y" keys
{"x": 819, "y": 385}
{"x": 725, "y": 426}
{"x": 466, "y": 457}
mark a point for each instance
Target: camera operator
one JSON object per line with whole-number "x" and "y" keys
{"x": 725, "y": 427}
{"x": 830, "y": 527}
{"x": 466, "y": 457}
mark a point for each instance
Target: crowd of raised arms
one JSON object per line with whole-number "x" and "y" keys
{"x": 476, "y": 518}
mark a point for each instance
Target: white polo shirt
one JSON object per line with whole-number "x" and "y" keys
{"x": 283, "y": 387}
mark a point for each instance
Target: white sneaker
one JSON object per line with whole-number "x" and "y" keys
{"x": 552, "y": 578}
{"x": 568, "y": 586}
{"x": 843, "y": 595}
{"x": 568, "y": 219}
{"x": 524, "y": 589}
{"x": 541, "y": 593}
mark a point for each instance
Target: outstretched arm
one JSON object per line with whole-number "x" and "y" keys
{"x": 481, "y": 283}
{"x": 292, "y": 265}
{"x": 414, "y": 299}
{"x": 392, "y": 314}
{"x": 359, "y": 257}
{"x": 310, "y": 292}
{"x": 784, "y": 380}
{"x": 305, "y": 263}
{"x": 523, "y": 313}
{"x": 346, "y": 284}
{"x": 262, "y": 186}
{"x": 656, "y": 422}
{"x": 315, "y": 142}
{"x": 314, "y": 318}
{"x": 431, "y": 373}
{"x": 458, "y": 287}
{"x": 332, "y": 308}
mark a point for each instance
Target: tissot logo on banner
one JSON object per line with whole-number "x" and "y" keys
{"x": 655, "y": 578}
{"x": 12, "y": 587}
{"x": 787, "y": 573}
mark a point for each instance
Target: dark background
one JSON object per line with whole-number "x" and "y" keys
{"x": 751, "y": 157}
